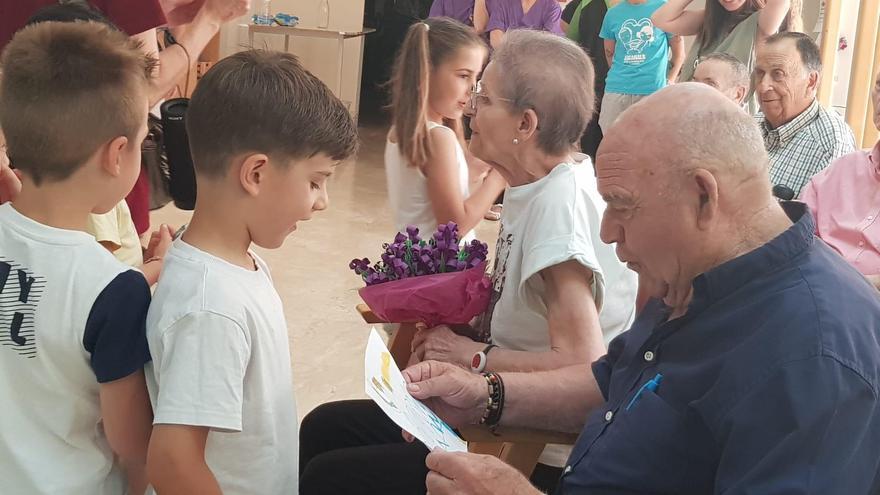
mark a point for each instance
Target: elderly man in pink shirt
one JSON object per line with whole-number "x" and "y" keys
{"x": 845, "y": 201}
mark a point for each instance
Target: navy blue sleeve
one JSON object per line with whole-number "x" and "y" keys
{"x": 602, "y": 367}
{"x": 813, "y": 427}
{"x": 115, "y": 333}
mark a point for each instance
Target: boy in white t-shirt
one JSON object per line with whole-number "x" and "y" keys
{"x": 73, "y": 107}
{"x": 265, "y": 135}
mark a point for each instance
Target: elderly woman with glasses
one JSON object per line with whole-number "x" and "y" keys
{"x": 559, "y": 293}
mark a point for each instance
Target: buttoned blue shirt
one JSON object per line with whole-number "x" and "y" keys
{"x": 769, "y": 383}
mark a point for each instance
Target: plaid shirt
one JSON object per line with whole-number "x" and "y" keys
{"x": 803, "y": 147}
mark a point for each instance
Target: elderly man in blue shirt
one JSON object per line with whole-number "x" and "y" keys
{"x": 754, "y": 370}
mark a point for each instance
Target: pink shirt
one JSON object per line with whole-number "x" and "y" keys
{"x": 845, "y": 201}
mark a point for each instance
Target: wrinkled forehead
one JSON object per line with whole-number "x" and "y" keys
{"x": 619, "y": 169}
{"x": 634, "y": 156}
{"x": 779, "y": 55}
{"x": 712, "y": 69}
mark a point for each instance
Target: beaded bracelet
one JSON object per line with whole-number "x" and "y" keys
{"x": 495, "y": 403}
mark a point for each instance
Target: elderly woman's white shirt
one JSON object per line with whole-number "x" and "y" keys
{"x": 547, "y": 222}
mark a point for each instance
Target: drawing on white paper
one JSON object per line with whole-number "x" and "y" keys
{"x": 385, "y": 384}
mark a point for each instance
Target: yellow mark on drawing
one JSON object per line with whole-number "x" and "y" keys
{"x": 386, "y": 370}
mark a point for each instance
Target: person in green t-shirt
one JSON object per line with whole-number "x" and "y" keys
{"x": 728, "y": 26}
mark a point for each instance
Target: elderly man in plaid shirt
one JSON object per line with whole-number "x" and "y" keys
{"x": 801, "y": 136}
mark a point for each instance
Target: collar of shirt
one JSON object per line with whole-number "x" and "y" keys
{"x": 783, "y": 134}
{"x": 726, "y": 278}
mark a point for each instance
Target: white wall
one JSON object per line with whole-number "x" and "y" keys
{"x": 813, "y": 13}
{"x": 849, "y": 14}
{"x": 318, "y": 55}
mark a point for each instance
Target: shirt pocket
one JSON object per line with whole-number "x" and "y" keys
{"x": 643, "y": 449}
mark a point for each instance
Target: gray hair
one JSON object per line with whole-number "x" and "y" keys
{"x": 553, "y": 76}
{"x": 740, "y": 72}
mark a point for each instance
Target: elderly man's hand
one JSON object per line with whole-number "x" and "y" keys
{"x": 471, "y": 474}
{"x": 442, "y": 344}
{"x": 457, "y": 396}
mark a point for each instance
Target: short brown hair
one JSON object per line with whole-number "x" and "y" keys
{"x": 266, "y": 102}
{"x": 554, "y": 77}
{"x": 67, "y": 89}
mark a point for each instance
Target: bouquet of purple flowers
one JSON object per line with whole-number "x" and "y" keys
{"x": 433, "y": 282}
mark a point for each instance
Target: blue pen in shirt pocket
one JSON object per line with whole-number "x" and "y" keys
{"x": 651, "y": 386}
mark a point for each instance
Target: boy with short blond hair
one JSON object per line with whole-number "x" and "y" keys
{"x": 73, "y": 107}
{"x": 265, "y": 136}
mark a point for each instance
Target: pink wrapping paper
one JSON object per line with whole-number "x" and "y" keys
{"x": 440, "y": 299}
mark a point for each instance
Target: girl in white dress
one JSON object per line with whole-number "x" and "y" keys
{"x": 425, "y": 164}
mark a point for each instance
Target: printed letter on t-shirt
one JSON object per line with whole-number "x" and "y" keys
{"x": 17, "y": 308}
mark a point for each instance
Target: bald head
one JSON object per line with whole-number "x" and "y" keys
{"x": 684, "y": 173}
{"x": 686, "y": 126}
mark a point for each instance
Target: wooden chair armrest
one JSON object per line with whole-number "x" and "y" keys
{"x": 516, "y": 435}
{"x": 399, "y": 340}
{"x": 368, "y": 315}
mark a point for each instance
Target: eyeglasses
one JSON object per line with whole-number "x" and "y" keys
{"x": 477, "y": 95}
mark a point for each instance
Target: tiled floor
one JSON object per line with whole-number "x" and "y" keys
{"x": 327, "y": 337}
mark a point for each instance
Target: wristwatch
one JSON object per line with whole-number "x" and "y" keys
{"x": 478, "y": 362}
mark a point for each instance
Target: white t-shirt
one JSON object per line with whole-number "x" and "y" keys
{"x": 71, "y": 317}
{"x": 221, "y": 359}
{"x": 547, "y": 222}
{"x": 408, "y": 188}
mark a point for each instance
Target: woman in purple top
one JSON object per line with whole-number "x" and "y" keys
{"x": 460, "y": 10}
{"x": 470, "y": 12}
{"x": 504, "y": 15}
